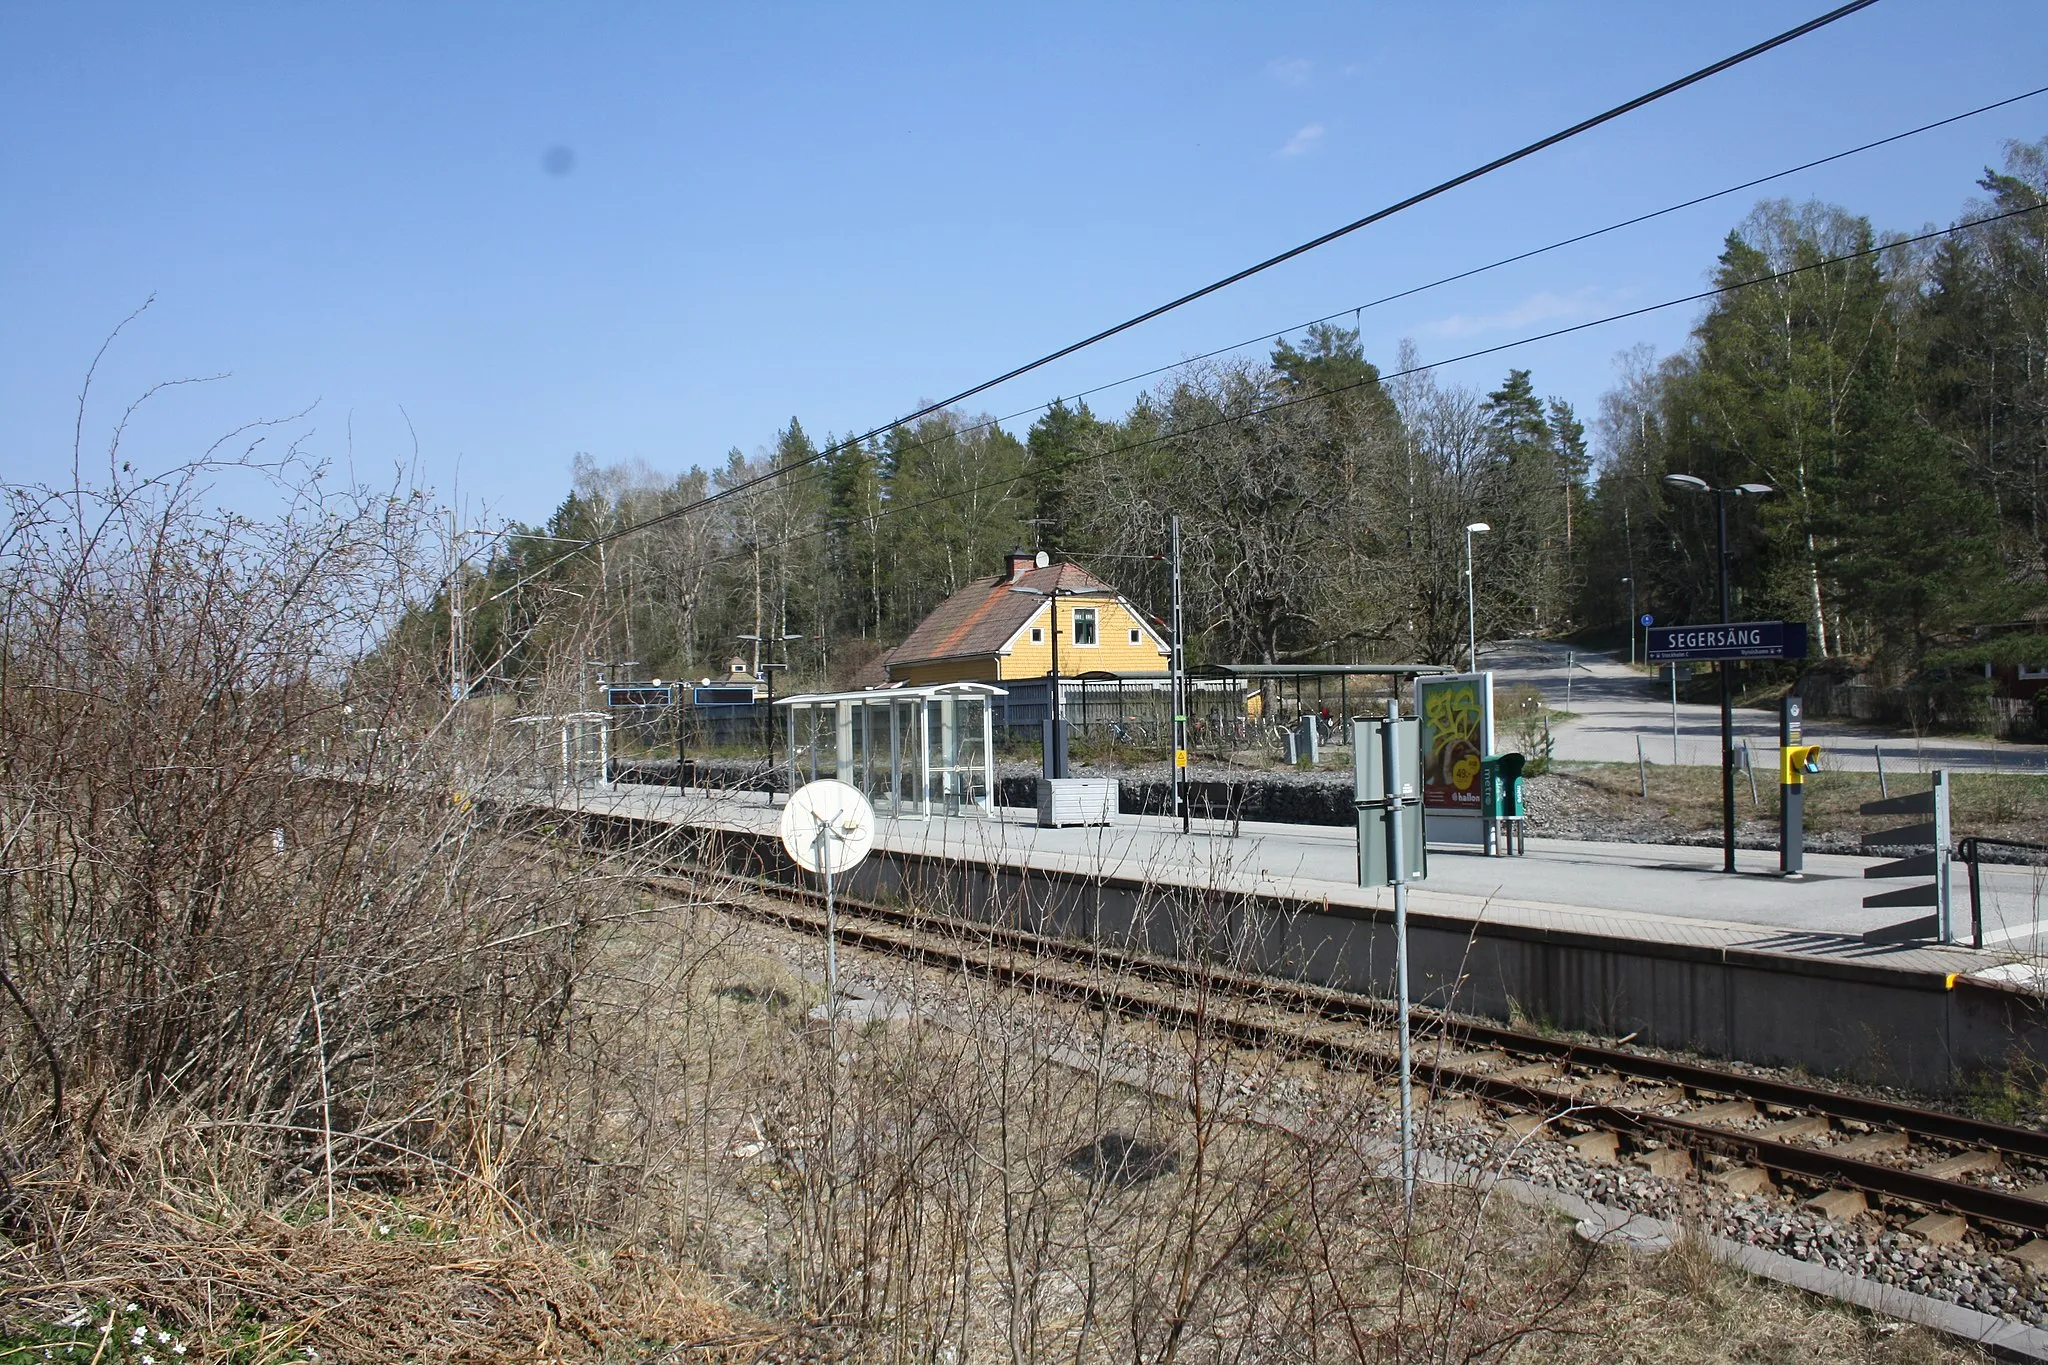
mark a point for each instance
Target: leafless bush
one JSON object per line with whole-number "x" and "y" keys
{"x": 248, "y": 876}
{"x": 1003, "y": 1170}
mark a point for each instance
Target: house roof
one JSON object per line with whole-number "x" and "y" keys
{"x": 977, "y": 621}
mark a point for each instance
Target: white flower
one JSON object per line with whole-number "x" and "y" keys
{"x": 162, "y": 1338}
{"x": 149, "y": 1360}
{"x": 131, "y": 1308}
{"x": 179, "y": 1349}
{"x": 383, "y": 1229}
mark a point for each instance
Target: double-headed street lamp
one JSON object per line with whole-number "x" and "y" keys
{"x": 1471, "y": 611}
{"x": 1689, "y": 484}
{"x": 767, "y": 671}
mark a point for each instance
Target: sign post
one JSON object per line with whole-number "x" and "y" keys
{"x": 1386, "y": 758}
{"x": 1725, "y": 644}
{"x": 827, "y": 828}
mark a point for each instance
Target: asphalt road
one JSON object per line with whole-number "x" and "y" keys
{"x": 1616, "y": 706}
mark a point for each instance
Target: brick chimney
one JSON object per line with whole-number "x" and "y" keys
{"x": 1019, "y": 562}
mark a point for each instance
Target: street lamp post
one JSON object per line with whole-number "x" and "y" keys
{"x": 1471, "y": 600}
{"x": 1631, "y": 620}
{"x": 1690, "y": 484}
{"x": 767, "y": 672}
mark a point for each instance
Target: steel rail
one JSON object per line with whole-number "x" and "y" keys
{"x": 1914, "y": 1120}
{"x": 1983, "y": 1202}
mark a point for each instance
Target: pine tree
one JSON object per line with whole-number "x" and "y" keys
{"x": 1056, "y": 447}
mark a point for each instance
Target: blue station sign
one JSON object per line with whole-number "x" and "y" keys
{"x": 639, "y": 694}
{"x": 1737, "y": 640}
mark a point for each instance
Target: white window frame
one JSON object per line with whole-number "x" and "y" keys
{"x": 1038, "y": 635}
{"x": 2032, "y": 674}
{"x": 1094, "y": 628}
{"x": 1137, "y": 636}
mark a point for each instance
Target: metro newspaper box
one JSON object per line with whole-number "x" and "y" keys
{"x": 1500, "y": 799}
{"x": 1500, "y": 791}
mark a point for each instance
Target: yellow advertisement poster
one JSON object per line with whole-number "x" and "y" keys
{"x": 1456, "y": 728}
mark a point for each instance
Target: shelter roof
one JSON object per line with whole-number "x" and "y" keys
{"x": 884, "y": 695}
{"x": 979, "y": 620}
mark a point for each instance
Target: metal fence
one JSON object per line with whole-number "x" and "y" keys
{"x": 2006, "y": 717}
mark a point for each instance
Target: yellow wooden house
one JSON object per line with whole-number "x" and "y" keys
{"x": 1000, "y": 628}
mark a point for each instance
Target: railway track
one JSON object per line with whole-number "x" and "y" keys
{"x": 1678, "y": 1117}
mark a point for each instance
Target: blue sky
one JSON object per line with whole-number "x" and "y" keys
{"x": 835, "y": 212}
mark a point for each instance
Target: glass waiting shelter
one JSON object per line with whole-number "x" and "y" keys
{"x": 911, "y": 750}
{"x": 583, "y": 741}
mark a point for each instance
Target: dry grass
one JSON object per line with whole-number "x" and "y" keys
{"x": 1688, "y": 799}
{"x": 1683, "y": 1306}
{"x": 924, "y": 1197}
{"x": 247, "y": 1287}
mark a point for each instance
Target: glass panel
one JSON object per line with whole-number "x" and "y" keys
{"x": 1084, "y": 625}
{"x": 970, "y": 725}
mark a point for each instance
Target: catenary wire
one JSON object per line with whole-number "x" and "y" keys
{"x": 1355, "y": 309}
{"x": 1319, "y": 395}
{"x": 1378, "y": 215}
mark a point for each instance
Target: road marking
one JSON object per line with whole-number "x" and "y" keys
{"x": 2021, "y": 931}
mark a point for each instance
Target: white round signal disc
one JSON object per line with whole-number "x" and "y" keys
{"x": 828, "y": 826}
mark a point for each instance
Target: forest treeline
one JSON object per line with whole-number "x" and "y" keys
{"x": 1897, "y": 400}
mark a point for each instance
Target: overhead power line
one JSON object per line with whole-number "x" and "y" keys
{"x": 1322, "y": 395}
{"x": 1413, "y": 290}
{"x": 1378, "y": 215}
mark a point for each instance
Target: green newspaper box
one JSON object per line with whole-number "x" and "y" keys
{"x": 1500, "y": 786}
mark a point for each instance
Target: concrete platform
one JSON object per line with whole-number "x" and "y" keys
{"x": 1612, "y": 938}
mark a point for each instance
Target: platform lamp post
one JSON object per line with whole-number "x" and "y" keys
{"x": 1631, "y": 620}
{"x": 1471, "y": 600}
{"x": 1687, "y": 483}
{"x": 767, "y": 672}
{"x": 600, "y": 667}
{"x": 1176, "y": 673}
{"x": 1056, "y": 745}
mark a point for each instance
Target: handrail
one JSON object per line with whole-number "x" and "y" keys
{"x": 1966, "y": 849}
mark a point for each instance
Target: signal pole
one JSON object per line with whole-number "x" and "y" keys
{"x": 1177, "y": 663}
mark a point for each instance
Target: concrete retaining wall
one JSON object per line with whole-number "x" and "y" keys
{"x": 1860, "y": 1021}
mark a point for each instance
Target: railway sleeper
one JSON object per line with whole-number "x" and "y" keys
{"x": 1930, "y": 1187}
{"x": 1495, "y": 1044}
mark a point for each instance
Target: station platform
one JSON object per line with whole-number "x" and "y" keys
{"x": 1591, "y": 935}
{"x": 1655, "y": 892}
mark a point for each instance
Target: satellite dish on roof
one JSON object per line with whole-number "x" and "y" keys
{"x": 1042, "y": 559}
{"x": 828, "y": 827}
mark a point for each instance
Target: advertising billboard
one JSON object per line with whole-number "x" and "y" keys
{"x": 1456, "y": 711}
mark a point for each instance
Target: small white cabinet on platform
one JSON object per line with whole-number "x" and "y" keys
{"x": 1076, "y": 801}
